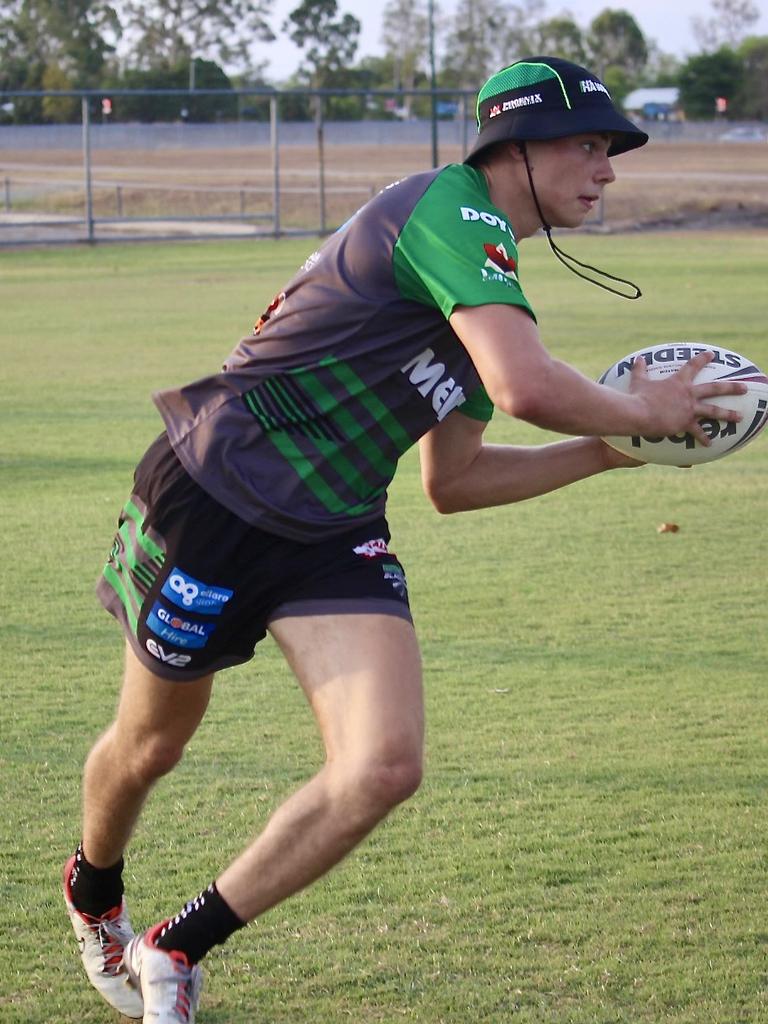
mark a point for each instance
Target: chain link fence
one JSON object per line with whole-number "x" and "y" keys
{"x": 152, "y": 165}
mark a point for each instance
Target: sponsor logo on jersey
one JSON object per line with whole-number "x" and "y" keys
{"x": 430, "y": 381}
{"x": 167, "y": 657}
{"x": 272, "y": 310}
{"x": 498, "y": 260}
{"x": 491, "y": 219}
{"x": 176, "y": 629}
{"x": 588, "y": 85}
{"x": 186, "y": 592}
{"x": 372, "y": 548}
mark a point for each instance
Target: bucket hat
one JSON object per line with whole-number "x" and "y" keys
{"x": 548, "y": 98}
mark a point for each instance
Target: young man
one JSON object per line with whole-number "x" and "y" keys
{"x": 262, "y": 506}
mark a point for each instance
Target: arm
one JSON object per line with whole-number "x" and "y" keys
{"x": 523, "y": 380}
{"x": 459, "y": 472}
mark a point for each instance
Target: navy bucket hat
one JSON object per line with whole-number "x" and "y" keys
{"x": 548, "y": 98}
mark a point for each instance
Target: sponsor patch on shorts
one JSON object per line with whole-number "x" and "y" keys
{"x": 396, "y": 577}
{"x": 372, "y": 548}
{"x": 193, "y": 595}
{"x": 176, "y": 629}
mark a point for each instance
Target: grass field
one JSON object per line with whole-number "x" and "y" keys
{"x": 589, "y": 844}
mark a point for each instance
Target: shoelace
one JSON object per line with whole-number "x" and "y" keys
{"x": 183, "y": 979}
{"x": 112, "y": 949}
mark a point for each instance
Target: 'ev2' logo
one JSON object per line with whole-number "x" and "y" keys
{"x": 167, "y": 657}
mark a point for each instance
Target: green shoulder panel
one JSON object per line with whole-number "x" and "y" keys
{"x": 456, "y": 248}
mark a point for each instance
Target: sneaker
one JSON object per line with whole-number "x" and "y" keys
{"x": 170, "y": 985}
{"x": 102, "y": 942}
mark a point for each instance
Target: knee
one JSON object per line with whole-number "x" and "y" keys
{"x": 376, "y": 787}
{"x": 152, "y": 757}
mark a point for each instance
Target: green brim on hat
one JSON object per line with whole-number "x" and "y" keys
{"x": 549, "y": 98}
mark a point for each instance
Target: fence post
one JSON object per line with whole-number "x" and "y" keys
{"x": 86, "y": 117}
{"x": 320, "y": 159}
{"x": 274, "y": 133}
{"x": 464, "y": 126}
{"x": 7, "y": 195}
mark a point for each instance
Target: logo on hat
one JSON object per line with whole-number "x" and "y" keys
{"x": 589, "y": 85}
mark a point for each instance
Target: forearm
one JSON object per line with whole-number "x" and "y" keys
{"x": 567, "y": 402}
{"x": 504, "y": 474}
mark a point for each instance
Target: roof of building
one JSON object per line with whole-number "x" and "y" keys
{"x": 662, "y": 96}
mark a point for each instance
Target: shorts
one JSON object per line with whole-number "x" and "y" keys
{"x": 195, "y": 587}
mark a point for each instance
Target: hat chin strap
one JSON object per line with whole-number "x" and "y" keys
{"x": 567, "y": 259}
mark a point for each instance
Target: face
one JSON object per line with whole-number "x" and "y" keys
{"x": 569, "y": 176}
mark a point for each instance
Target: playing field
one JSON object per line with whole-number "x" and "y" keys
{"x": 589, "y": 843}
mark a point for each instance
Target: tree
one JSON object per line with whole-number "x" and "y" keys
{"x": 616, "y": 41}
{"x": 730, "y": 23}
{"x": 706, "y": 77}
{"x": 58, "y": 109}
{"x": 67, "y": 35}
{"x": 560, "y": 35}
{"x": 167, "y": 33}
{"x": 752, "y": 100}
{"x": 330, "y": 39}
{"x": 474, "y": 44}
{"x": 149, "y": 108}
{"x": 405, "y": 35}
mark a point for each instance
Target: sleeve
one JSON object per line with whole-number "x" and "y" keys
{"x": 477, "y": 406}
{"x": 456, "y": 249}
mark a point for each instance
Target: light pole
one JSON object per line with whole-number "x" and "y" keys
{"x": 432, "y": 78}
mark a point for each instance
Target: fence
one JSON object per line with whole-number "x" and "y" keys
{"x": 106, "y": 180}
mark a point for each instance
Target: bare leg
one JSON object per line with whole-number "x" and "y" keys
{"x": 362, "y": 677}
{"x": 155, "y": 719}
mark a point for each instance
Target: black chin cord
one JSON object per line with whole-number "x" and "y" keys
{"x": 566, "y": 259}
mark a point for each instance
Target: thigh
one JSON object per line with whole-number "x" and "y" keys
{"x": 152, "y": 706}
{"x": 362, "y": 677}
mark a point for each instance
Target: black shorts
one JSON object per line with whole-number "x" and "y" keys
{"x": 195, "y": 587}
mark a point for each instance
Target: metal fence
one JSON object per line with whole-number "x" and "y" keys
{"x": 248, "y": 177}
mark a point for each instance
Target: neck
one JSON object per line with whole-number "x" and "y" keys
{"x": 509, "y": 190}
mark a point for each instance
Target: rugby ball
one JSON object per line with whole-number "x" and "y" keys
{"x": 726, "y": 437}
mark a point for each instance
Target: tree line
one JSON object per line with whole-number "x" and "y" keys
{"x": 60, "y": 45}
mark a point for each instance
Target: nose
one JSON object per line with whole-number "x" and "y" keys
{"x": 605, "y": 173}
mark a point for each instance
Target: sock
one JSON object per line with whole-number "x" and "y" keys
{"x": 204, "y": 922}
{"x": 94, "y": 891}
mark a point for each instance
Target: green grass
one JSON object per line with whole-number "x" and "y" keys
{"x": 589, "y": 843}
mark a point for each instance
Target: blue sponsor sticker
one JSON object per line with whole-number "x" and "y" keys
{"x": 194, "y": 595}
{"x": 178, "y": 630}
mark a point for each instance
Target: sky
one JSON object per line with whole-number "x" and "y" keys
{"x": 667, "y": 22}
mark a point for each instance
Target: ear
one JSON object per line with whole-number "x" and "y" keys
{"x": 517, "y": 151}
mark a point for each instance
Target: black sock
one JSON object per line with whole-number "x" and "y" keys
{"x": 94, "y": 890}
{"x": 204, "y": 922}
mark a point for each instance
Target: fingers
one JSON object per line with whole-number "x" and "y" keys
{"x": 716, "y": 412}
{"x": 696, "y": 363}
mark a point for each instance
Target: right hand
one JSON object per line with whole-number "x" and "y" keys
{"x": 674, "y": 405}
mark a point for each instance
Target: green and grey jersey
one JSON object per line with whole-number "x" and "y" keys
{"x": 351, "y": 363}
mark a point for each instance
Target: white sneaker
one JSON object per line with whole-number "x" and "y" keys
{"x": 102, "y": 942}
{"x": 169, "y": 984}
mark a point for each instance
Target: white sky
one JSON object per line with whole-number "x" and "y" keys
{"x": 667, "y": 22}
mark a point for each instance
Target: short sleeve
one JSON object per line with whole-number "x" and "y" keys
{"x": 456, "y": 248}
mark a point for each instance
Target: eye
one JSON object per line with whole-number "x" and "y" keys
{"x": 589, "y": 146}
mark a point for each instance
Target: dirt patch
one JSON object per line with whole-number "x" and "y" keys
{"x": 659, "y": 187}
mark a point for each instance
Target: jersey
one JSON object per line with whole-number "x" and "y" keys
{"x": 355, "y": 360}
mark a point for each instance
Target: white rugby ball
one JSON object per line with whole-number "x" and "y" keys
{"x": 684, "y": 449}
